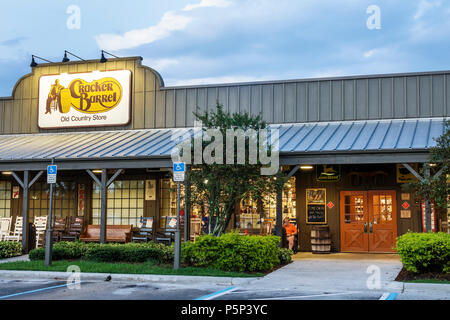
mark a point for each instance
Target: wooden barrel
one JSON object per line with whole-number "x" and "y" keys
{"x": 320, "y": 239}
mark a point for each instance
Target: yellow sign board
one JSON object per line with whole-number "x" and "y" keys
{"x": 404, "y": 175}
{"x": 84, "y": 99}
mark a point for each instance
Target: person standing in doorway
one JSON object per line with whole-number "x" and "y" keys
{"x": 291, "y": 231}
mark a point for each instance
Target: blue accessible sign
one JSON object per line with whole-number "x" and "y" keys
{"x": 51, "y": 173}
{"x": 179, "y": 168}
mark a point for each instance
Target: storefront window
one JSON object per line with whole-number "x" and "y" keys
{"x": 64, "y": 200}
{"x": 252, "y": 216}
{"x": 125, "y": 202}
{"x": 5, "y": 198}
{"x": 168, "y": 200}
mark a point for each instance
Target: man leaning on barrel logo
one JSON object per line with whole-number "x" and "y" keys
{"x": 54, "y": 96}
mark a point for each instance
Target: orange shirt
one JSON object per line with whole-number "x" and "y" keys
{"x": 290, "y": 229}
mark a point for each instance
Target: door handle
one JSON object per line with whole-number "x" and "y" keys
{"x": 370, "y": 227}
{"x": 365, "y": 227}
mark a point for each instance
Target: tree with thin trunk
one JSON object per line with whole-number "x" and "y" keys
{"x": 221, "y": 186}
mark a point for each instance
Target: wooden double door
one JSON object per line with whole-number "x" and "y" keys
{"x": 368, "y": 221}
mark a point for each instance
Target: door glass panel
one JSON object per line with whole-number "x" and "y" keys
{"x": 354, "y": 208}
{"x": 382, "y": 208}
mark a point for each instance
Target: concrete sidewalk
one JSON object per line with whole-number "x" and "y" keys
{"x": 14, "y": 259}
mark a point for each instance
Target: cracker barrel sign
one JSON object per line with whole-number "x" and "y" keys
{"x": 84, "y": 99}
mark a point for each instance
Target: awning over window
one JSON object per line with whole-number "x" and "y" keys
{"x": 373, "y": 141}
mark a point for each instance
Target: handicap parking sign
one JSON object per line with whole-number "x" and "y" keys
{"x": 51, "y": 173}
{"x": 178, "y": 171}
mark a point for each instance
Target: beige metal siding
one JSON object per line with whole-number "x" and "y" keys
{"x": 312, "y": 100}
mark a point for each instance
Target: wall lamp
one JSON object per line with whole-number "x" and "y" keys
{"x": 66, "y": 59}
{"x": 103, "y": 59}
{"x": 33, "y": 62}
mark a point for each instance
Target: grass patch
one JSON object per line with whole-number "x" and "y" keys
{"x": 126, "y": 268}
{"x": 429, "y": 281}
{"x": 429, "y": 277}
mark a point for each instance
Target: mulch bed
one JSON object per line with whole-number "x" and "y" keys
{"x": 405, "y": 275}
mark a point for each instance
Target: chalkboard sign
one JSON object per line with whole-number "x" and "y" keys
{"x": 316, "y": 206}
{"x": 316, "y": 213}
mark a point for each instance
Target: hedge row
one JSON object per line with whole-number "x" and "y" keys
{"x": 230, "y": 252}
{"x": 425, "y": 252}
{"x": 130, "y": 252}
{"x": 234, "y": 252}
{"x": 10, "y": 249}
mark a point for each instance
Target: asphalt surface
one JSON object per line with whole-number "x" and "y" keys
{"x": 335, "y": 277}
{"x": 103, "y": 290}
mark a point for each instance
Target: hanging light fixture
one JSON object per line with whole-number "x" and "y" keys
{"x": 33, "y": 62}
{"x": 66, "y": 59}
{"x": 103, "y": 59}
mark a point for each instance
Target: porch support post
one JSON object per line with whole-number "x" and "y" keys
{"x": 279, "y": 212}
{"x": 279, "y": 199}
{"x": 104, "y": 184}
{"x": 427, "y": 201}
{"x": 427, "y": 207}
{"x": 103, "y": 204}
{"x": 25, "y": 234}
{"x": 187, "y": 213}
{"x": 25, "y": 186}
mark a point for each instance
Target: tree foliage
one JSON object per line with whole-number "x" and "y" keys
{"x": 435, "y": 184}
{"x": 220, "y": 187}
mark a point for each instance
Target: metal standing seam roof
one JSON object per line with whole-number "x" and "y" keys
{"x": 321, "y": 137}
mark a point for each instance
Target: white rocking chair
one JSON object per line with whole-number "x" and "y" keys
{"x": 5, "y": 227}
{"x": 17, "y": 234}
{"x": 40, "y": 224}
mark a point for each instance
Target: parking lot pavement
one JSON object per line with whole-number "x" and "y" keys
{"x": 98, "y": 290}
{"x": 304, "y": 279}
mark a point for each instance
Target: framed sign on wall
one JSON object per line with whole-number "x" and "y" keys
{"x": 316, "y": 206}
{"x": 91, "y": 99}
{"x": 150, "y": 189}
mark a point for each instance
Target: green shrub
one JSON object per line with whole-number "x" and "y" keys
{"x": 233, "y": 252}
{"x": 10, "y": 249}
{"x": 130, "y": 252}
{"x": 63, "y": 250}
{"x": 285, "y": 255}
{"x": 425, "y": 252}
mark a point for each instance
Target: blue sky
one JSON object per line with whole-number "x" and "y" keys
{"x": 219, "y": 41}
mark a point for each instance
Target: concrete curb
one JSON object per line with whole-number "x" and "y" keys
{"x": 52, "y": 275}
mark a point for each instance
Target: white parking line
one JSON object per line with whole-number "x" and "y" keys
{"x": 309, "y": 296}
{"x": 37, "y": 290}
{"x": 389, "y": 296}
{"x": 217, "y": 294}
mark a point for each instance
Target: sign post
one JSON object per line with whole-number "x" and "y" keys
{"x": 179, "y": 168}
{"x": 51, "y": 179}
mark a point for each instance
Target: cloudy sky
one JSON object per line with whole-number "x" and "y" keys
{"x": 219, "y": 41}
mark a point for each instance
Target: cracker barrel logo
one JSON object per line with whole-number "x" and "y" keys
{"x": 88, "y": 97}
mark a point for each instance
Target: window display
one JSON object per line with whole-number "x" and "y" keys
{"x": 64, "y": 200}
{"x": 252, "y": 214}
{"x": 125, "y": 202}
{"x": 5, "y": 198}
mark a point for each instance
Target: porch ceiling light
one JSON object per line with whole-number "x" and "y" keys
{"x": 7, "y": 173}
{"x": 97, "y": 171}
{"x": 306, "y": 167}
